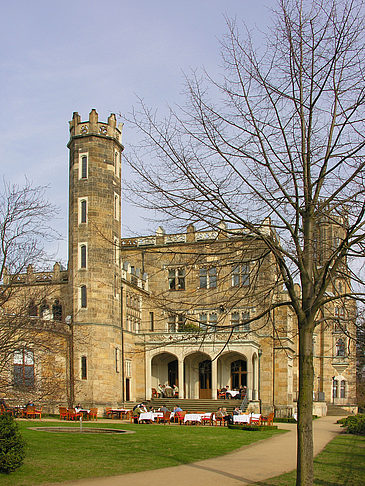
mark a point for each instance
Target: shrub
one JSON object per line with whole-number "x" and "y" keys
{"x": 355, "y": 424}
{"x": 12, "y": 445}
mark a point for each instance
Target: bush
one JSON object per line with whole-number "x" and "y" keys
{"x": 12, "y": 445}
{"x": 355, "y": 424}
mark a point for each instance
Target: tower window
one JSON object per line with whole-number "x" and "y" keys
{"x": 116, "y": 206}
{"x": 83, "y": 253}
{"x": 208, "y": 278}
{"x": 57, "y": 310}
{"x": 83, "y": 300}
{"x": 83, "y": 166}
{"x": 340, "y": 348}
{"x": 152, "y": 322}
{"x": 83, "y": 367}
{"x": 83, "y": 211}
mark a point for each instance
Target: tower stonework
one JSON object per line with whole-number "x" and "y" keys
{"x": 94, "y": 266}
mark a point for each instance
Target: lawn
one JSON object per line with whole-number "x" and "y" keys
{"x": 56, "y": 457}
{"x": 341, "y": 463}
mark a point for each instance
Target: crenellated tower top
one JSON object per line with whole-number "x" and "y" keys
{"x": 93, "y": 127}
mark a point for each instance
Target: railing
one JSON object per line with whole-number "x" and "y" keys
{"x": 244, "y": 403}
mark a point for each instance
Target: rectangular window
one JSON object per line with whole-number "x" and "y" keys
{"x": 208, "y": 278}
{"x": 213, "y": 321}
{"x": 83, "y": 367}
{"x": 83, "y": 296}
{"x": 171, "y": 325}
{"x": 117, "y": 360}
{"x": 152, "y": 322}
{"x": 238, "y": 321}
{"x": 181, "y": 323}
{"x": 241, "y": 275}
{"x": 203, "y": 319}
{"x": 235, "y": 321}
{"x": 128, "y": 368}
{"x": 23, "y": 368}
{"x": 116, "y": 206}
{"x": 343, "y": 389}
{"x": 177, "y": 279}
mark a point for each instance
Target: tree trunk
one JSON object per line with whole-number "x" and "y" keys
{"x": 305, "y": 408}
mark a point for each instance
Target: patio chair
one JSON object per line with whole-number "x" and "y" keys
{"x": 255, "y": 419}
{"x": 208, "y": 420}
{"x": 180, "y": 417}
{"x": 154, "y": 393}
{"x": 72, "y": 414}
{"x": 269, "y": 420}
{"x": 93, "y": 414}
{"x": 166, "y": 418}
{"x": 63, "y": 413}
{"x": 221, "y": 394}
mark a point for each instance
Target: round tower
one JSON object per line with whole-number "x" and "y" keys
{"x": 94, "y": 269}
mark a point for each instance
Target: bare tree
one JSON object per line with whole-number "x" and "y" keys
{"x": 24, "y": 312}
{"x": 279, "y": 136}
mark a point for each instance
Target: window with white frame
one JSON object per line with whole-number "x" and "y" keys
{"x": 171, "y": 323}
{"x": 239, "y": 320}
{"x": 83, "y": 166}
{"x": 177, "y": 279}
{"x": 117, "y": 360}
{"x": 340, "y": 348}
{"x": 116, "y": 251}
{"x": 23, "y": 368}
{"x": 208, "y": 278}
{"x": 241, "y": 275}
{"x": 343, "y": 389}
{"x": 128, "y": 368}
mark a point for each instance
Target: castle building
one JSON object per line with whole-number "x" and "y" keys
{"x": 181, "y": 309}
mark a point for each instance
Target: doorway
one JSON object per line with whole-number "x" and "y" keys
{"x": 205, "y": 379}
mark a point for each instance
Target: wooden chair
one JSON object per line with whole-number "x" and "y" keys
{"x": 219, "y": 419}
{"x": 108, "y": 412}
{"x": 255, "y": 419}
{"x": 93, "y": 414}
{"x": 154, "y": 393}
{"x": 63, "y": 413}
{"x": 32, "y": 412}
{"x": 208, "y": 420}
{"x": 180, "y": 417}
{"x": 72, "y": 414}
{"x": 221, "y": 394}
{"x": 166, "y": 418}
{"x": 268, "y": 420}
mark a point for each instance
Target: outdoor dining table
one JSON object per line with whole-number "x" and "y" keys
{"x": 233, "y": 393}
{"x": 193, "y": 417}
{"x": 151, "y": 416}
{"x": 241, "y": 419}
{"x": 119, "y": 412}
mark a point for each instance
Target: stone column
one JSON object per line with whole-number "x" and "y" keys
{"x": 181, "y": 377}
{"x": 214, "y": 379}
{"x": 148, "y": 377}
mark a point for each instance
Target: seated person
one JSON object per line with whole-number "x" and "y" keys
{"x": 160, "y": 391}
{"x": 175, "y": 390}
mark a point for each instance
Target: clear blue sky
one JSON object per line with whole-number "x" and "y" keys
{"x": 61, "y": 57}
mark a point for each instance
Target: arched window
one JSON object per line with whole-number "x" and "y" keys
{"x": 83, "y": 207}
{"x": 57, "y": 310}
{"x": 340, "y": 348}
{"x": 83, "y": 256}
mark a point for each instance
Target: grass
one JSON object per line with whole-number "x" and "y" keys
{"x": 341, "y": 463}
{"x": 56, "y": 457}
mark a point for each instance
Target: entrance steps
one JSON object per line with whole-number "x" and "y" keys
{"x": 195, "y": 405}
{"x": 336, "y": 410}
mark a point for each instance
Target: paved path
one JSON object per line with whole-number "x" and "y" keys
{"x": 256, "y": 462}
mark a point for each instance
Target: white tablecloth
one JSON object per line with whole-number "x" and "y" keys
{"x": 241, "y": 419}
{"x": 233, "y": 393}
{"x": 193, "y": 417}
{"x": 150, "y": 415}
